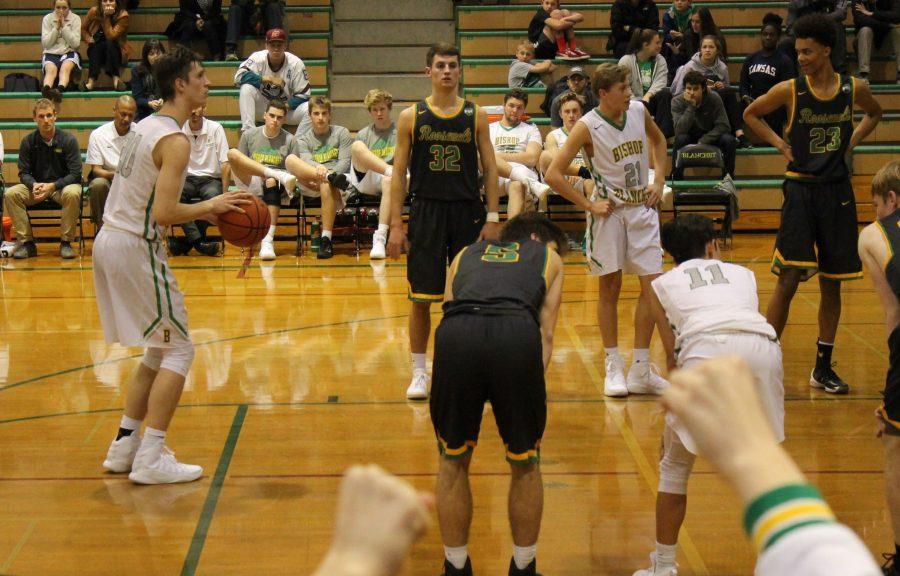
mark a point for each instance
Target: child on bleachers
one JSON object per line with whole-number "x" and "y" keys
{"x": 552, "y": 31}
{"x": 523, "y": 73}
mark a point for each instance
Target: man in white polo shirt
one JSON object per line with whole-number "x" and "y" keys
{"x": 105, "y": 144}
{"x": 208, "y": 175}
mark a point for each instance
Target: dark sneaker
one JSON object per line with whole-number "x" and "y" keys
{"x": 826, "y": 379}
{"x": 743, "y": 142}
{"x": 208, "y": 248}
{"x": 25, "y": 250}
{"x": 530, "y": 570}
{"x": 326, "y": 250}
{"x": 889, "y": 568}
{"x": 449, "y": 570}
{"x": 339, "y": 181}
{"x": 178, "y": 246}
{"x": 65, "y": 251}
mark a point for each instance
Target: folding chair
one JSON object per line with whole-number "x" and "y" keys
{"x": 701, "y": 196}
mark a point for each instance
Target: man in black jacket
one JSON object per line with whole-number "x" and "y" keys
{"x": 876, "y": 20}
{"x": 625, "y": 17}
{"x": 835, "y": 10}
{"x": 700, "y": 118}
{"x": 49, "y": 168}
{"x": 200, "y": 19}
{"x": 251, "y": 17}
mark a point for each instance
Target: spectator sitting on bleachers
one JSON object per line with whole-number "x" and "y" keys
{"x": 577, "y": 82}
{"x": 105, "y": 146}
{"x": 708, "y": 63}
{"x": 49, "y": 168}
{"x": 524, "y": 74}
{"x": 649, "y": 76}
{"x": 876, "y": 20}
{"x": 251, "y": 17}
{"x": 270, "y": 74}
{"x": 700, "y": 118}
{"x": 552, "y": 31}
{"x": 517, "y": 143}
{"x": 836, "y": 11}
{"x": 208, "y": 175}
{"x": 765, "y": 68}
{"x": 200, "y": 19}
{"x": 143, "y": 84}
{"x": 105, "y": 31}
{"x": 571, "y": 108}
{"x": 269, "y": 145}
{"x": 708, "y": 27}
{"x": 371, "y": 156}
{"x": 325, "y": 147}
{"x": 625, "y": 17}
{"x": 60, "y": 38}
{"x": 677, "y": 37}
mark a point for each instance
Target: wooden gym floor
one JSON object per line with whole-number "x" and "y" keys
{"x": 301, "y": 370}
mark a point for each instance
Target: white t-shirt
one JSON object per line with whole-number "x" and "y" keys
{"x": 513, "y": 140}
{"x": 105, "y": 145}
{"x": 129, "y": 207}
{"x": 620, "y": 160}
{"x": 292, "y": 71}
{"x": 701, "y": 296}
{"x": 561, "y": 136}
{"x": 209, "y": 149}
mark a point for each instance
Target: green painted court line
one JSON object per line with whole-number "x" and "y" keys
{"x": 212, "y": 497}
{"x": 21, "y": 544}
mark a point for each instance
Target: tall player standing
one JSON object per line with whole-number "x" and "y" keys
{"x": 137, "y": 295}
{"x": 439, "y": 140}
{"x": 818, "y": 231}
{"x": 623, "y": 224}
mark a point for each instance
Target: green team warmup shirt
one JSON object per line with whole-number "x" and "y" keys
{"x": 269, "y": 151}
{"x": 382, "y": 143}
{"x": 331, "y": 150}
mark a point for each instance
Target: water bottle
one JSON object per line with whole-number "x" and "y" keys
{"x": 316, "y": 235}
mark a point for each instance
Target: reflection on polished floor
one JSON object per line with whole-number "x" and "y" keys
{"x": 301, "y": 370}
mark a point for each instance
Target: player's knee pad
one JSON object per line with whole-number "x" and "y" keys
{"x": 152, "y": 358}
{"x": 674, "y": 471}
{"x": 178, "y": 359}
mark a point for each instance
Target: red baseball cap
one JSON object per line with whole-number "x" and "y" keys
{"x": 276, "y": 34}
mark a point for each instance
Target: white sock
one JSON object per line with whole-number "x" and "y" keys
{"x": 613, "y": 352}
{"x": 271, "y": 235}
{"x": 418, "y": 362}
{"x": 326, "y": 234}
{"x": 456, "y": 556}
{"x": 641, "y": 355}
{"x": 129, "y": 423}
{"x": 519, "y": 174}
{"x": 389, "y": 171}
{"x": 383, "y": 228}
{"x": 523, "y": 555}
{"x": 271, "y": 173}
{"x": 153, "y": 437}
{"x": 665, "y": 555}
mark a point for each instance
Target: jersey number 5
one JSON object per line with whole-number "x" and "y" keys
{"x": 817, "y": 137}
{"x": 444, "y": 158}
{"x": 697, "y": 280}
{"x": 505, "y": 253}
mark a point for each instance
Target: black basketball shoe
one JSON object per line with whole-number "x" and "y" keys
{"x": 449, "y": 570}
{"x": 825, "y": 378}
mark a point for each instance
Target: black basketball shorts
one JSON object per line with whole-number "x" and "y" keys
{"x": 890, "y": 410}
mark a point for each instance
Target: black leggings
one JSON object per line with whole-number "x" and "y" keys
{"x": 104, "y": 56}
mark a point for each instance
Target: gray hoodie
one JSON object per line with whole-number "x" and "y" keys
{"x": 718, "y": 71}
{"x": 658, "y": 81}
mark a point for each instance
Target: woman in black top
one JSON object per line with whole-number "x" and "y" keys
{"x": 200, "y": 18}
{"x": 143, "y": 85}
{"x": 765, "y": 68}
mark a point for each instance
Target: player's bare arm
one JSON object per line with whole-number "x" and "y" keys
{"x": 874, "y": 253}
{"x": 778, "y": 97}
{"x": 555, "y": 176}
{"x": 529, "y": 157}
{"x": 171, "y": 155}
{"x": 865, "y": 100}
{"x": 491, "y": 230}
{"x": 397, "y": 241}
{"x": 658, "y": 160}
{"x": 665, "y": 330}
{"x": 550, "y": 307}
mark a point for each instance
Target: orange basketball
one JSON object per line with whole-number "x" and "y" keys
{"x": 246, "y": 229}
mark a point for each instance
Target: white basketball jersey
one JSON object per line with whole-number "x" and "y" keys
{"x": 620, "y": 160}
{"x": 561, "y": 136}
{"x": 513, "y": 140}
{"x": 702, "y": 296}
{"x": 129, "y": 206}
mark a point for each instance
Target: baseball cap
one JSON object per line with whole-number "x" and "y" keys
{"x": 276, "y": 34}
{"x": 578, "y": 71}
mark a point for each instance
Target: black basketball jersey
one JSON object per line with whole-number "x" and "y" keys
{"x": 819, "y": 131}
{"x": 498, "y": 278}
{"x": 444, "y": 159}
{"x": 890, "y": 226}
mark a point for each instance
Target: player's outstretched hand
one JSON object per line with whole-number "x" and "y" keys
{"x": 602, "y": 208}
{"x": 490, "y": 231}
{"x": 397, "y": 242}
{"x": 229, "y": 201}
{"x": 654, "y": 195}
{"x": 379, "y": 517}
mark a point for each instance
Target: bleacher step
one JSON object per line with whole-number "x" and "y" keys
{"x": 353, "y": 87}
{"x": 392, "y": 33}
{"x": 368, "y": 10}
